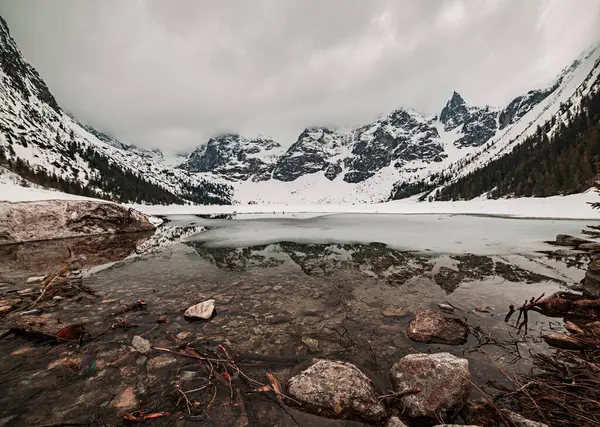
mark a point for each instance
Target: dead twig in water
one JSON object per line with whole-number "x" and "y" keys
{"x": 400, "y": 394}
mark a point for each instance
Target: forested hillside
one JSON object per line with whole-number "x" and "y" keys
{"x": 541, "y": 166}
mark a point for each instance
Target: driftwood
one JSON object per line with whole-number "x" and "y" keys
{"x": 560, "y": 304}
{"x": 47, "y": 328}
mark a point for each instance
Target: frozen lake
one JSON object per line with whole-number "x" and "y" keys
{"x": 450, "y": 234}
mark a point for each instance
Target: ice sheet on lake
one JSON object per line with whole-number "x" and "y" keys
{"x": 436, "y": 233}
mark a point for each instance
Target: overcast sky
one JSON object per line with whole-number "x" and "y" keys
{"x": 170, "y": 74}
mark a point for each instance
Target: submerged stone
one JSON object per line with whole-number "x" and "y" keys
{"x": 203, "y": 310}
{"x": 140, "y": 344}
{"x": 126, "y": 400}
{"x": 337, "y": 390}
{"x": 444, "y": 382}
{"x": 429, "y": 326}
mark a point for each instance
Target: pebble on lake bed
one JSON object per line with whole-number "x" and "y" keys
{"x": 311, "y": 343}
{"x": 184, "y": 336}
{"x": 203, "y": 310}
{"x": 141, "y": 344}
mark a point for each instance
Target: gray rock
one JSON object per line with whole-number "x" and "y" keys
{"x": 594, "y": 247}
{"x": 567, "y": 240}
{"x": 337, "y": 390}
{"x": 444, "y": 380}
{"x": 521, "y": 421}
{"x": 140, "y": 344}
{"x": 203, "y": 310}
{"x": 429, "y": 326}
{"x": 277, "y": 287}
{"x": 577, "y": 287}
{"x": 35, "y": 279}
{"x": 591, "y": 283}
{"x": 58, "y": 219}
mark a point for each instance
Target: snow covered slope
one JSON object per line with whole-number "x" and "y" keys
{"x": 41, "y": 141}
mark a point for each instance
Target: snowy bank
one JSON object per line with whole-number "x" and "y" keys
{"x": 568, "y": 207}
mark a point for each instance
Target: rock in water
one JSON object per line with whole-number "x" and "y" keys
{"x": 311, "y": 343}
{"x": 444, "y": 380}
{"x": 127, "y": 400}
{"x": 566, "y": 240}
{"x": 140, "y": 344}
{"x": 431, "y": 327}
{"x": 337, "y": 390}
{"x": 204, "y": 310}
{"x": 595, "y": 247}
{"x": 58, "y": 219}
{"x": 591, "y": 282}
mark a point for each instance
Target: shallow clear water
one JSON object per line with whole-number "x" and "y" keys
{"x": 351, "y": 282}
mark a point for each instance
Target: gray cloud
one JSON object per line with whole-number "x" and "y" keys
{"x": 170, "y": 74}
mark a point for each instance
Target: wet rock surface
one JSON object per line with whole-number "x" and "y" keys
{"x": 338, "y": 390}
{"x": 57, "y": 219}
{"x": 429, "y": 326}
{"x": 444, "y": 382}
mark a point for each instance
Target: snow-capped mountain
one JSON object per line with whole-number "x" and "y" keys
{"x": 316, "y": 150}
{"x": 398, "y": 154}
{"x": 403, "y": 152}
{"x": 235, "y": 157}
{"x": 40, "y": 140}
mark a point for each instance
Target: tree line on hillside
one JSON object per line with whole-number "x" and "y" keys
{"x": 109, "y": 182}
{"x": 541, "y": 166}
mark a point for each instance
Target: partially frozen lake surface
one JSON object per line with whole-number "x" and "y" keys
{"x": 453, "y": 234}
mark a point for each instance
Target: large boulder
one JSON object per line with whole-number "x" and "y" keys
{"x": 429, "y": 326}
{"x": 444, "y": 381}
{"x": 337, "y": 390}
{"x": 58, "y": 219}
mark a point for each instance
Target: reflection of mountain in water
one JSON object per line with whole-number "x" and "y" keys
{"x": 373, "y": 260}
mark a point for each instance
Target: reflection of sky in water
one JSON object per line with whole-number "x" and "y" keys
{"x": 437, "y": 233}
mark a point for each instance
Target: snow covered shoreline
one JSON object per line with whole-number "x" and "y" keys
{"x": 557, "y": 207}
{"x": 574, "y": 206}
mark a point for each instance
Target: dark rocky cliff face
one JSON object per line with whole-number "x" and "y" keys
{"x": 396, "y": 139}
{"x": 314, "y": 151}
{"x": 521, "y": 105}
{"x": 235, "y": 157}
{"x": 478, "y": 123}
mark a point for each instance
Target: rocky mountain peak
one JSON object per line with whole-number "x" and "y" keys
{"x": 455, "y": 112}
